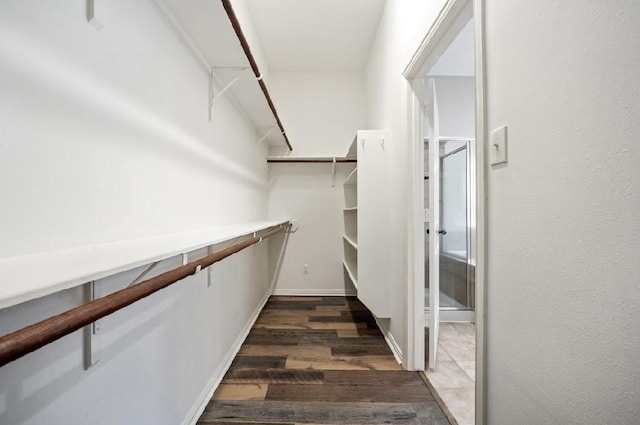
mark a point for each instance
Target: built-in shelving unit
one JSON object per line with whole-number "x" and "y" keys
{"x": 351, "y": 267}
{"x": 352, "y": 240}
{"x": 367, "y": 221}
{"x": 350, "y": 213}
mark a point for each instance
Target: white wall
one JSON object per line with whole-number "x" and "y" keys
{"x": 401, "y": 29}
{"x": 321, "y": 112}
{"x": 456, "y": 106}
{"x": 304, "y": 192}
{"x": 564, "y": 228}
{"x": 104, "y": 125}
{"x": 105, "y": 137}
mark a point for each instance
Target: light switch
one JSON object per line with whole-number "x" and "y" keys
{"x": 498, "y": 146}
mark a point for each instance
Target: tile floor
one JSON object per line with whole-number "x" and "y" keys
{"x": 454, "y": 376}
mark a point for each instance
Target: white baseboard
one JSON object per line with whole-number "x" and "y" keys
{"x": 314, "y": 292}
{"x": 391, "y": 341}
{"x": 204, "y": 398}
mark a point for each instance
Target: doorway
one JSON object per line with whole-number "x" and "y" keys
{"x": 445, "y": 107}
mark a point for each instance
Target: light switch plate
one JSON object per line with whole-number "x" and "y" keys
{"x": 498, "y": 146}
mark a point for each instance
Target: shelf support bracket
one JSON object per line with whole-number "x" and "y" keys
{"x": 213, "y": 95}
{"x": 144, "y": 273}
{"x": 263, "y": 138}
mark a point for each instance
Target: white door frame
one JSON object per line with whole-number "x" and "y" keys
{"x": 454, "y": 14}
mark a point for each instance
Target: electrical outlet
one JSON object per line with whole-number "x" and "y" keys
{"x": 305, "y": 268}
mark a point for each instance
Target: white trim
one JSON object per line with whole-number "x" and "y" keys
{"x": 414, "y": 334}
{"x": 391, "y": 341}
{"x": 454, "y": 14}
{"x": 204, "y": 398}
{"x": 314, "y": 292}
{"x": 481, "y": 215}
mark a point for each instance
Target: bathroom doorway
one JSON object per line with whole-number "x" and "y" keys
{"x": 445, "y": 109}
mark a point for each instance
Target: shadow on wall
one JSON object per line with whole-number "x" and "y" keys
{"x": 32, "y": 383}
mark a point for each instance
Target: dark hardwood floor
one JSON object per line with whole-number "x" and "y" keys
{"x": 319, "y": 360}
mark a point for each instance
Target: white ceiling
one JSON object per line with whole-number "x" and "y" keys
{"x": 458, "y": 59}
{"x": 315, "y": 35}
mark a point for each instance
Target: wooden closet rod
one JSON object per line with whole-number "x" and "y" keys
{"x": 254, "y": 66}
{"x": 25, "y": 340}
{"x": 307, "y": 160}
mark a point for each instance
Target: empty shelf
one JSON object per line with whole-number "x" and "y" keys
{"x": 352, "y": 271}
{"x": 352, "y": 240}
{"x": 53, "y": 271}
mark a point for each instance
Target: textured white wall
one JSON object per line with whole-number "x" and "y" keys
{"x": 105, "y": 134}
{"x": 105, "y": 137}
{"x": 564, "y": 228}
{"x": 322, "y": 112}
{"x": 399, "y": 34}
{"x": 304, "y": 192}
{"x": 456, "y": 106}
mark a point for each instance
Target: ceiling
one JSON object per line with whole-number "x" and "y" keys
{"x": 458, "y": 59}
{"x": 316, "y": 35}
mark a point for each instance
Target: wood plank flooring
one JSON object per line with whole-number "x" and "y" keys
{"x": 319, "y": 360}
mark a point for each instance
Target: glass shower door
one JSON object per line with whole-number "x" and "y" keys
{"x": 454, "y": 228}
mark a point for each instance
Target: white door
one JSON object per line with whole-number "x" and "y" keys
{"x": 434, "y": 222}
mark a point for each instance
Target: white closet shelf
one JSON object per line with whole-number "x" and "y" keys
{"x": 352, "y": 240}
{"x": 351, "y": 209}
{"x": 311, "y": 159}
{"x": 351, "y": 269}
{"x": 26, "y": 277}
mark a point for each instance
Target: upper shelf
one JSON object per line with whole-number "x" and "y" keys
{"x": 210, "y": 28}
{"x": 310, "y": 159}
{"x": 35, "y": 275}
